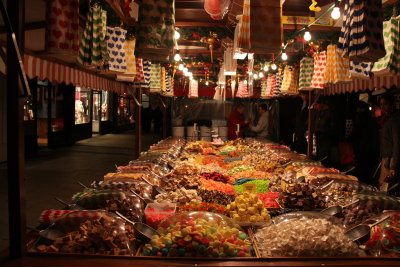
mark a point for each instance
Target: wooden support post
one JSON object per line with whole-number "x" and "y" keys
{"x": 138, "y": 119}
{"x": 15, "y": 136}
{"x": 310, "y": 124}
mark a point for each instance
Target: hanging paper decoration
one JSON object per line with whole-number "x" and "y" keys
{"x": 115, "y": 38}
{"x": 243, "y": 90}
{"x": 290, "y": 80}
{"x": 314, "y": 7}
{"x": 99, "y": 45}
{"x": 244, "y": 30}
{"x": 62, "y": 29}
{"x": 193, "y": 89}
{"x": 237, "y": 53}
{"x": 169, "y": 85}
{"x": 271, "y": 84}
{"x": 127, "y": 10}
{"x": 139, "y": 72}
{"x": 155, "y": 78}
{"x": 337, "y": 68}
{"x": 279, "y": 79}
{"x": 217, "y": 9}
{"x": 156, "y": 30}
{"x": 163, "y": 80}
{"x": 146, "y": 72}
{"x": 389, "y": 64}
{"x": 361, "y": 33}
{"x": 306, "y": 73}
{"x": 319, "y": 70}
{"x": 362, "y": 70}
{"x": 130, "y": 59}
{"x": 84, "y": 55}
{"x": 266, "y": 28}
{"x": 230, "y": 64}
{"x": 264, "y": 83}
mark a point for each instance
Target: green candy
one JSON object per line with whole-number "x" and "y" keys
{"x": 242, "y": 236}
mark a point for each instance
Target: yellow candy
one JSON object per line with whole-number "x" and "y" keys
{"x": 241, "y": 211}
{"x": 232, "y": 206}
{"x": 253, "y": 218}
{"x": 236, "y": 217}
{"x": 187, "y": 238}
{"x": 246, "y": 195}
{"x": 251, "y": 210}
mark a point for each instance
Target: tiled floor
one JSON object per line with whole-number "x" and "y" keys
{"x": 55, "y": 173}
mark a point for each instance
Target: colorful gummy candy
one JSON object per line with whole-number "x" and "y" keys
{"x": 240, "y": 168}
{"x": 261, "y": 186}
{"x": 154, "y": 217}
{"x": 203, "y": 206}
{"x": 199, "y": 238}
{"x": 213, "y": 185}
{"x": 269, "y": 199}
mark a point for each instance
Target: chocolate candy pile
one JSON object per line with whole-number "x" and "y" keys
{"x": 106, "y": 236}
{"x": 301, "y": 196}
{"x": 215, "y": 196}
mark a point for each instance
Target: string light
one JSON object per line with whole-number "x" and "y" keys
{"x": 255, "y": 76}
{"x": 245, "y": 81}
{"x": 266, "y": 67}
{"x": 180, "y": 67}
{"x": 261, "y": 75}
{"x": 177, "y": 57}
{"x": 207, "y": 83}
{"x": 336, "y": 11}
{"x": 273, "y": 66}
{"x": 284, "y": 55}
{"x": 307, "y": 36}
{"x": 177, "y": 35}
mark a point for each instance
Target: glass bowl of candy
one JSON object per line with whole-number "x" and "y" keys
{"x": 199, "y": 234}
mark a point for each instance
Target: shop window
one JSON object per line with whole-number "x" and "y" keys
{"x": 125, "y": 110}
{"x": 57, "y": 109}
{"x": 82, "y": 105}
{"x": 28, "y": 109}
{"x": 104, "y": 106}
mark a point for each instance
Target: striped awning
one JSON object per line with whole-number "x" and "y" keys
{"x": 362, "y": 85}
{"x": 55, "y": 72}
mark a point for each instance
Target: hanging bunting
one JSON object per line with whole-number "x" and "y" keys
{"x": 389, "y": 64}
{"x": 115, "y": 38}
{"x": 62, "y": 29}
{"x": 337, "y": 68}
{"x": 306, "y": 73}
{"x": 317, "y": 81}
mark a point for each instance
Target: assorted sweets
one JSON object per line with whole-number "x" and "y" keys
{"x": 199, "y": 234}
{"x": 214, "y": 198}
{"x": 248, "y": 208}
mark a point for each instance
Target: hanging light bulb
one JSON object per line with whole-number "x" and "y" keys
{"x": 245, "y": 81}
{"x": 335, "y": 12}
{"x": 273, "y": 66}
{"x": 180, "y": 67}
{"x": 266, "y": 67}
{"x": 177, "y": 56}
{"x": 177, "y": 35}
{"x": 307, "y": 36}
{"x": 284, "y": 56}
{"x": 255, "y": 76}
{"x": 261, "y": 75}
{"x": 207, "y": 83}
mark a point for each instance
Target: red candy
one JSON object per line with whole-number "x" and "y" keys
{"x": 153, "y": 218}
{"x": 215, "y": 176}
{"x": 269, "y": 199}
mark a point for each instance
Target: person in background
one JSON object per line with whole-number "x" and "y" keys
{"x": 364, "y": 138}
{"x": 236, "y": 117}
{"x": 389, "y": 142}
{"x": 261, "y": 129}
{"x": 325, "y": 130}
{"x": 300, "y": 127}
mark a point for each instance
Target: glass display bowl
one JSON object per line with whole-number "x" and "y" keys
{"x": 199, "y": 234}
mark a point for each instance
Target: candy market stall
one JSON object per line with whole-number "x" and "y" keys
{"x": 247, "y": 200}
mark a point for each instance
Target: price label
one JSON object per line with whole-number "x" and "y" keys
{"x": 249, "y": 188}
